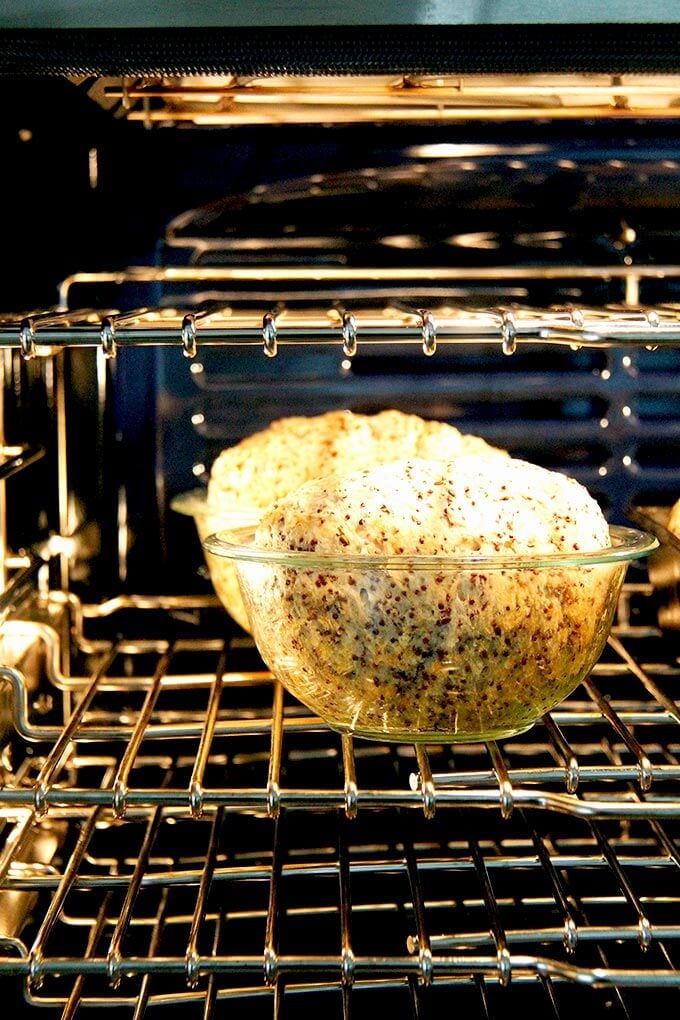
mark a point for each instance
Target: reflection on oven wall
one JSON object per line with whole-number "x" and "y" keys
{"x": 487, "y": 196}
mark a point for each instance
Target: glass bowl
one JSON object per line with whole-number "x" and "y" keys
{"x": 208, "y": 520}
{"x": 430, "y": 648}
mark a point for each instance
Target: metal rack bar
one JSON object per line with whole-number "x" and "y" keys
{"x": 114, "y": 970}
{"x": 422, "y": 944}
{"x": 274, "y": 769}
{"x": 96, "y": 932}
{"x": 397, "y": 868}
{"x": 193, "y": 960}
{"x": 463, "y": 955}
{"x": 565, "y": 751}
{"x": 344, "y": 320}
{"x": 14, "y": 844}
{"x": 345, "y": 912}
{"x": 570, "y": 929}
{"x": 393, "y": 98}
{"x": 644, "y": 927}
{"x": 644, "y": 764}
{"x": 497, "y": 930}
{"x": 351, "y": 789}
{"x": 252, "y": 798}
{"x": 120, "y": 785}
{"x": 197, "y": 773}
{"x": 55, "y": 758}
{"x": 154, "y": 946}
{"x": 398, "y": 968}
{"x": 16, "y": 458}
{"x": 191, "y": 877}
{"x": 299, "y": 989}
{"x": 190, "y": 274}
{"x": 212, "y": 990}
{"x": 18, "y": 588}
{"x": 668, "y": 703}
{"x": 541, "y": 328}
{"x": 34, "y": 964}
{"x": 554, "y": 936}
{"x": 551, "y": 787}
{"x": 271, "y": 957}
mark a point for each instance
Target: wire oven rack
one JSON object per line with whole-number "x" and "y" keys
{"x": 218, "y": 844}
{"x": 211, "y": 845}
{"x": 229, "y": 100}
{"x": 417, "y": 305}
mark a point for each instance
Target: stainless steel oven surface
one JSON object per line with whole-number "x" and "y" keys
{"x": 214, "y": 219}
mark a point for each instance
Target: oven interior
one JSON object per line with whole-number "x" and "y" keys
{"x": 190, "y": 258}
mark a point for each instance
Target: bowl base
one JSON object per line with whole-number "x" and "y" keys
{"x": 432, "y": 736}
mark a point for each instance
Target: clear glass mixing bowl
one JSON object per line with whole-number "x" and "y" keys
{"x": 430, "y": 648}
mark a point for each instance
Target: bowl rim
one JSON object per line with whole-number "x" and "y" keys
{"x": 237, "y": 544}
{"x": 194, "y": 503}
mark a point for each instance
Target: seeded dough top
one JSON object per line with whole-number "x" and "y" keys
{"x": 469, "y": 504}
{"x": 270, "y": 463}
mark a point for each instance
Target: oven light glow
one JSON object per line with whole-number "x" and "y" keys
{"x": 58, "y": 545}
{"x": 93, "y": 168}
{"x": 123, "y": 533}
{"x": 483, "y": 239}
{"x": 25, "y": 134}
{"x": 448, "y": 150}
{"x": 402, "y": 241}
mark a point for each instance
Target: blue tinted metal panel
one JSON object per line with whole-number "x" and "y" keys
{"x": 178, "y": 13}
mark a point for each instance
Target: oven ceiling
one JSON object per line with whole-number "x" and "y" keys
{"x": 209, "y": 13}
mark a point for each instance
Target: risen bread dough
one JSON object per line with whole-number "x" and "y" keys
{"x": 278, "y": 459}
{"x": 270, "y": 463}
{"x": 468, "y": 653}
{"x": 426, "y": 507}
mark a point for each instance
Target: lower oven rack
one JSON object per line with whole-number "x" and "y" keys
{"x": 217, "y": 844}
